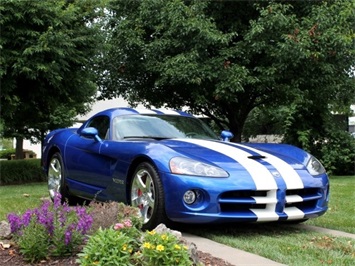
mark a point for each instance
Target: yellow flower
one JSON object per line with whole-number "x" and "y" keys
{"x": 151, "y": 232}
{"x": 95, "y": 262}
{"x": 160, "y": 247}
{"x": 177, "y": 246}
{"x": 164, "y": 237}
{"x": 147, "y": 245}
{"x": 124, "y": 247}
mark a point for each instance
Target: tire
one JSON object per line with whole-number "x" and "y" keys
{"x": 146, "y": 193}
{"x": 56, "y": 179}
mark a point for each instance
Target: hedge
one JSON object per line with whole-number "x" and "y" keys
{"x": 21, "y": 171}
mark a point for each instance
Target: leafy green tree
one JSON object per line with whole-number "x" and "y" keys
{"x": 48, "y": 50}
{"x": 324, "y": 136}
{"x": 225, "y": 58}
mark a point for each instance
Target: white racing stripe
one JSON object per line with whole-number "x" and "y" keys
{"x": 289, "y": 175}
{"x": 293, "y": 199}
{"x": 145, "y": 111}
{"x": 262, "y": 177}
{"x": 294, "y": 213}
{"x": 268, "y": 214}
{"x": 168, "y": 112}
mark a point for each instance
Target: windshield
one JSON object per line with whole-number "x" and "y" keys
{"x": 160, "y": 126}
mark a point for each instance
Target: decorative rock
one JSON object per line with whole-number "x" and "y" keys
{"x": 5, "y": 230}
{"x": 161, "y": 229}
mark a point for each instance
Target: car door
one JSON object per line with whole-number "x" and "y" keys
{"x": 89, "y": 170}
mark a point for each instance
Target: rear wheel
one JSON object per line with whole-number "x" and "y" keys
{"x": 147, "y": 194}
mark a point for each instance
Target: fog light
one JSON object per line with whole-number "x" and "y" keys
{"x": 189, "y": 197}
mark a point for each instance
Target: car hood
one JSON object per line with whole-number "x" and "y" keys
{"x": 228, "y": 154}
{"x": 248, "y": 164}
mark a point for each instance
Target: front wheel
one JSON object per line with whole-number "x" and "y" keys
{"x": 56, "y": 179}
{"x": 147, "y": 194}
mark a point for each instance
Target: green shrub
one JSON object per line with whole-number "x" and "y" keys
{"x": 108, "y": 247}
{"x": 125, "y": 244}
{"x": 338, "y": 153}
{"x": 335, "y": 148}
{"x": 164, "y": 249}
{"x": 21, "y": 171}
{"x": 6, "y": 154}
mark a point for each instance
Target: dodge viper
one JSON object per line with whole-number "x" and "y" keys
{"x": 174, "y": 168}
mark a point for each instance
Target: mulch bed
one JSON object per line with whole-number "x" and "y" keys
{"x": 11, "y": 256}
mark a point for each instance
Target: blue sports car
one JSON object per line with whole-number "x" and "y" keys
{"x": 174, "y": 168}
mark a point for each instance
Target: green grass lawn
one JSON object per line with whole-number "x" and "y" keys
{"x": 341, "y": 212}
{"x": 285, "y": 244}
{"x": 279, "y": 242}
{"x": 18, "y": 198}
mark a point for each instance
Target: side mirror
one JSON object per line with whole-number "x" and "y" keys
{"x": 90, "y": 133}
{"x": 226, "y": 135}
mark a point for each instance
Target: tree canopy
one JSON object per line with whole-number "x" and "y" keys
{"x": 225, "y": 58}
{"x": 48, "y": 50}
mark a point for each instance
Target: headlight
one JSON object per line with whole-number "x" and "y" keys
{"x": 315, "y": 167}
{"x": 185, "y": 166}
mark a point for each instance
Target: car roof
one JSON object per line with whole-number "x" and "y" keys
{"x": 113, "y": 112}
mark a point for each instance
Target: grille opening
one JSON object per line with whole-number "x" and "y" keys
{"x": 303, "y": 205}
{"x": 241, "y": 207}
{"x": 243, "y": 194}
{"x": 303, "y": 192}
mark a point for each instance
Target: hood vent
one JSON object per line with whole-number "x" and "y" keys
{"x": 256, "y": 157}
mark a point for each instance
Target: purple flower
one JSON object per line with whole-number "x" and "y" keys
{"x": 71, "y": 223}
{"x": 15, "y": 222}
{"x": 57, "y": 200}
{"x": 84, "y": 224}
{"x": 68, "y": 234}
{"x": 67, "y": 237}
{"x": 45, "y": 217}
{"x": 26, "y": 217}
{"x": 62, "y": 218}
{"x": 85, "y": 220}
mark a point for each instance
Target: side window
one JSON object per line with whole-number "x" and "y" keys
{"x": 102, "y": 124}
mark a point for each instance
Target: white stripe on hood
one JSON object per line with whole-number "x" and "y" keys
{"x": 289, "y": 175}
{"x": 262, "y": 177}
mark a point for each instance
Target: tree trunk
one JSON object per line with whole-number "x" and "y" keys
{"x": 236, "y": 125}
{"x": 19, "y": 148}
{"x": 42, "y": 140}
